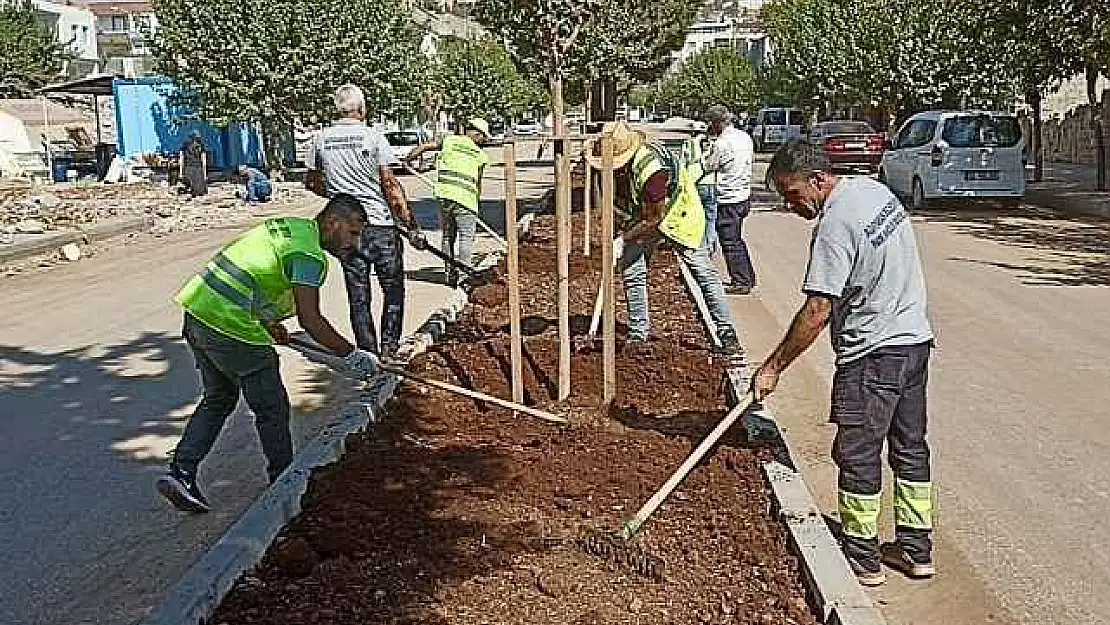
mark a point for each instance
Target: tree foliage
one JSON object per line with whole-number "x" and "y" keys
{"x": 278, "y": 62}
{"x": 712, "y": 76}
{"x": 581, "y": 41}
{"x": 30, "y": 56}
{"x": 478, "y": 78}
{"x": 898, "y": 55}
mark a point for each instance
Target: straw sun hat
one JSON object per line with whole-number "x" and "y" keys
{"x": 626, "y": 141}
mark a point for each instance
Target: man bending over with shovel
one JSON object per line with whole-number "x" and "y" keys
{"x": 233, "y": 314}
{"x": 657, "y": 200}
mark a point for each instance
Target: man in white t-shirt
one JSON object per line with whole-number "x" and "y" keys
{"x": 354, "y": 159}
{"x": 864, "y": 280}
{"x": 731, "y": 159}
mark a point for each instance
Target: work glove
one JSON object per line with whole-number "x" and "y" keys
{"x": 417, "y": 239}
{"x": 361, "y": 362}
{"x": 618, "y": 251}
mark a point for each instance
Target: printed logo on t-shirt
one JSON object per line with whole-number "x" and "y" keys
{"x": 885, "y": 222}
{"x": 343, "y": 142}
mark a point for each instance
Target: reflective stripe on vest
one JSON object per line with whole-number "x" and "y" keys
{"x": 245, "y": 284}
{"x": 913, "y": 504}
{"x": 459, "y": 168}
{"x": 685, "y": 220}
{"x": 859, "y": 514}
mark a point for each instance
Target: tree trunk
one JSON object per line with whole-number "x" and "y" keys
{"x": 1036, "y": 142}
{"x": 1096, "y": 124}
{"x": 271, "y": 148}
{"x": 603, "y": 100}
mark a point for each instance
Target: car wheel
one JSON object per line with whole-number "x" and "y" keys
{"x": 918, "y": 200}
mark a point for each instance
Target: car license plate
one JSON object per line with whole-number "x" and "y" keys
{"x": 855, "y": 146}
{"x": 981, "y": 174}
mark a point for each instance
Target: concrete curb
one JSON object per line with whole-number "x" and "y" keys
{"x": 836, "y": 594}
{"x": 84, "y": 234}
{"x": 199, "y": 592}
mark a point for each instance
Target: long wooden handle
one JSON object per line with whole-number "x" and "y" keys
{"x": 460, "y": 390}
{"x": 632, "y": 526}
{"x": 595, "y": 321}
{"x": 431, "y": 185}
{"x": 319, "y": 354}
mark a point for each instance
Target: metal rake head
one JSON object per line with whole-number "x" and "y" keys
{"x": 624, "y": 554}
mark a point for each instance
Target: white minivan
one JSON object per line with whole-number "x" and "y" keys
{"x": 775, "y": 126}
{"x": 947, "y": 154}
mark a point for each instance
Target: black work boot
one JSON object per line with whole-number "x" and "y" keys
{"x": 181, "y": 489}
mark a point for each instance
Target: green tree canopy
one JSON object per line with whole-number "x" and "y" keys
{"x": 30, "y": 56}
{"x": 278, "y": 62}
{"x": 712, "y": 76}
{"x": 478, "y": 78}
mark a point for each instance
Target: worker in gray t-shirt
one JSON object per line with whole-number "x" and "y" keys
{"x": 354, "y": 159}
{"x": 864, "y": 280}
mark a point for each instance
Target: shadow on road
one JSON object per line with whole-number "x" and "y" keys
{"x": 83, "y": 434}
{"x": 1078, "y": 247}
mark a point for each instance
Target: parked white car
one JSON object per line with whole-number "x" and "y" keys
{"x": 403, "y": 141}
{"x": 944, "y": 154}
{"x": 775, "y": 126}
{"x": 527, "y": 127}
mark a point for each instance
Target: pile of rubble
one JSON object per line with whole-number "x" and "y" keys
{"x": 30, "y": 211}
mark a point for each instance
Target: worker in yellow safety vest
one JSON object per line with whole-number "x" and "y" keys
{"x": 694, "y": 150}
{"x": 458, "y": 189}
{"x": 233, "y": 315}
{"x": 656, "y": 200}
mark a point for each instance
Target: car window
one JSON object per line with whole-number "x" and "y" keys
{"x": 797, "y": 118}
{"x": 917, "y": 134}
{"x": 847, "y": 128}
{"x": 979, "y": 131}
{"x": 903, "y": 140}
{"x": 776, "y": 117}
{"x": 402, "y": 138}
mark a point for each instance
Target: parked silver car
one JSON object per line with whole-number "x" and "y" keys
{"x": 947, "y": 154}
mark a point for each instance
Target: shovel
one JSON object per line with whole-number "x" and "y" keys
{"x": 478, "y": 275}
{"x": 320, "y": 354}
{"x": 618, "y": 548}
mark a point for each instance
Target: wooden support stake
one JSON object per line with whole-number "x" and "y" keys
{"x": 513, "y": 262}
{"x": 608, "y": 327}
{"x": 562, "y": 242}
{"x": 587, "y": 221}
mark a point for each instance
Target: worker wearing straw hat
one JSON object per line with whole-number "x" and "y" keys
{"x": 656, "y": 200}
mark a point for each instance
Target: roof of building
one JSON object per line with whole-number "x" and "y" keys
{"x": 30, "y": 112}
{"x": 116, "y": 7}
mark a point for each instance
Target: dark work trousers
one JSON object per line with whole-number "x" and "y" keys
{"x": 228, "y": 366}
{"x": 881, "y": 398}
{"x": 730, "y": 221}
{"x": 380, "y": 248}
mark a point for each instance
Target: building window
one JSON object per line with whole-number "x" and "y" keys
{"x": 119, "y": 23}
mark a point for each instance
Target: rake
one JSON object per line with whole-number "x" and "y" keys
{"x": 618, "y": 547}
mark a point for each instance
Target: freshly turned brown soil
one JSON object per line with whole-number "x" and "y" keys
{"x": 454, "y": 511}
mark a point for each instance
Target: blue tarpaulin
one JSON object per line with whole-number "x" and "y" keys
{"x": 149, "y": 121}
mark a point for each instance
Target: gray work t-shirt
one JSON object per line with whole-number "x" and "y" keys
{"x": 351, "y": 153}
{"x": 864, "y": 255}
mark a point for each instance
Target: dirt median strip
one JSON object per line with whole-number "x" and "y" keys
{"x": 455, "y": 511}
{"x": 45, "y": 243}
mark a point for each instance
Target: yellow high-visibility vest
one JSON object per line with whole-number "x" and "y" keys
{"x": 459, "y": 170}
{"x": 685, "y": 220}
{"x": 245, "y": 284}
